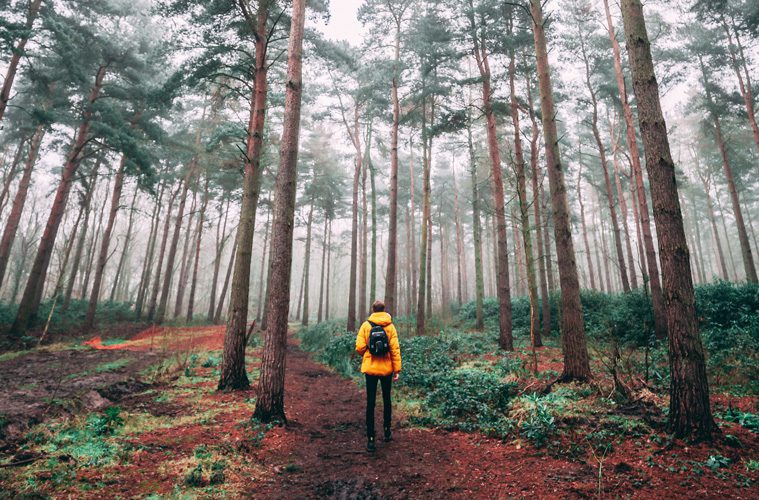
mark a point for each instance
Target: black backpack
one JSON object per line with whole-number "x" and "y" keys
{"x": 379, "y": 344}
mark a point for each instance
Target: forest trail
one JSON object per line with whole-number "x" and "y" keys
{"x": 177, "y": 432}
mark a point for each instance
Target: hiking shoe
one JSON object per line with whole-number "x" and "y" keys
{"x": 388, "y": 435}
{"x": 370, "y": 446}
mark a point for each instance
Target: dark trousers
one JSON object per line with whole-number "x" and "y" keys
{"x": 371, "y": 400}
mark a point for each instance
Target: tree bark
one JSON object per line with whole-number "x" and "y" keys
{"x": 160, "y": 313}
{"x": 262, "y": 282}
{"x": 576, "y": 361}
{"x": 233, "y": 374}
{"x": 524, "y": 208}
{"x": 147, "y": 266}
{"x": 221, "y": 238}
{"x": 622, "y": 206}
{"x": 689, "y": 408}
{"x": 89, "y": 319}
{"x": 29, "y": 304}
{"x": 545, "y": 301}
{"x": 421, "y": 315}
{"x": 320, "y": 315}
{"x": 161, "y": 254}
{"x": 184, "y": 260}
{"x": 11, "y": 173}
{"x": 270, "y": 404}
{"x": 392, "y": 238}
{"x": 307, "y": 268}
{"x": 748, "y": 258}
{"x": 225, "y": 287}
{"x": 583, "y": 226}
{"x": 198, "y": 241}
{"x": 19, "y": 201}
{"x": 605, "y": 167}
{"x": 125, "y": 250}
{"x": 505, "y": 339}
{"x": 651, "y": 271}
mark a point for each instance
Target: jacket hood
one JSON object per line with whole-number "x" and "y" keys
{"x": 381, "y": 318}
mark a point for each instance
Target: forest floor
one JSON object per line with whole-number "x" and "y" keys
{"x": 142, "y": 417}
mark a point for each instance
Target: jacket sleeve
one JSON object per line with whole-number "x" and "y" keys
{"x": 395, "y": 350}
{"x": 361, "y": 340}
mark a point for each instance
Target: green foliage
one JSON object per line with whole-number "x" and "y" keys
{"x": 105, "y": 424}
{"x": 88, "y": 444}
{"x": 538, "y": 424}
{"x": 715, "y": 462}
{"x": 339, "y": 354}
{"x": 108, "y": 313}
{"x": 425, "y": 361}
{"x": 471, "y": 399}
{"x": 745, "y": 419}
{"x": 316, "y": 337}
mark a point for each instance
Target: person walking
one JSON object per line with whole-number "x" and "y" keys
{"x": 377, "y": 342}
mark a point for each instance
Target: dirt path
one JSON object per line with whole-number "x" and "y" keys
{"x": 321, "y": 453}
{"x": 326, "y": 446}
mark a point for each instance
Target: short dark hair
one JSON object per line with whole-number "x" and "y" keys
{"x": 378, "y": 306}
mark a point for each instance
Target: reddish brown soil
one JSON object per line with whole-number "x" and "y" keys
{"x": 321, "y": 454}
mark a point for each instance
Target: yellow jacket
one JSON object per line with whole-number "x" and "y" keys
{"x": 379, "y": 365}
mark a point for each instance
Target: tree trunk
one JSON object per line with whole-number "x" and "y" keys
{"x": 320, "y": 314}
{"x": 270, "y": 404}
{"x": 233, "y": 374}
{"x": 524, "y": 208}
{"x": 198, "y": 241}
{"x": 651, "y": 272}
{"x": 160, "y": 313}
{"x": 748, "y": 258}
{"x": 505, "y": 339}
{"x": 118, "y": 184}
{"x": 373, "y": 279}
{"x": 605, "y": 167}
{"x": 733, "y": 267}
{"x": 329, "y": 273}
{"x": 184, "y": 260}
{"x": 11, "y": 173}
{"x": 225, "y": 287}
{"x": 90, "y": 256}
{"x": 351, "y": 326}
{"x": 460, "y": 265}
{"x": 147, "y": 265}
{"x": 27, "y": 309}
{"x": 622, "y": 206}
{"x": 14, "y": 218}
{"x": 307, "y": 268}
{"x": 583, "y": 226}
{"x": 161, "y": 253}
{"x": 412, "y": 237}
{"x": 545, "y": 301}
{"x": 363, "y": 308}
{"x": 125, "y": 250}
{"x": 392, "y": 238}
{"x": 689, "y": 410}
{"x": 576, "y": 361}
{"x": 738, "y": 63}
{"x": 262, "y": 282}
{"x": 221, "y": 238}
{"x": 85, "y": 208}
{"x": 423, "y": 245}
{"x": 18, "y": 51}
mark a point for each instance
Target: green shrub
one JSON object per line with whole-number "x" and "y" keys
{"x": 316, "y": 337}
{"x": 339, "y": 354}
{"x": 471, "y": 399}
{"x": 425, "y": 359}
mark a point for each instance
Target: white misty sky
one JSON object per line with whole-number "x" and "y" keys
{"x": 343, "y": 24}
